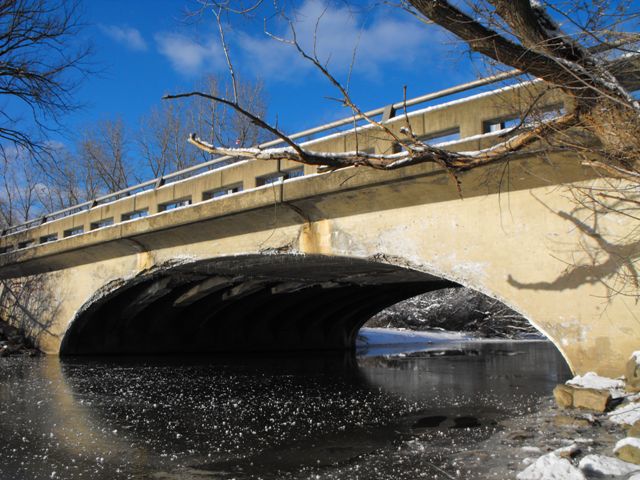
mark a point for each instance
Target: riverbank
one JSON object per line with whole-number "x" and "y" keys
{"x": 546, "y": 442}
{"x": 586, "y": 441}
{"x": 14, "y": 342}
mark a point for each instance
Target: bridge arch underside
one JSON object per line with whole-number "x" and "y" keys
{"x": 243, "y": 304}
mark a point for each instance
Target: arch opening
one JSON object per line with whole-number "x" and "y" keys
{"x": 244, "y": 304}
{"x": 459, "y": 309}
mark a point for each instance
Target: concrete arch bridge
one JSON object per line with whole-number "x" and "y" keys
{"x": 270, "y": 255}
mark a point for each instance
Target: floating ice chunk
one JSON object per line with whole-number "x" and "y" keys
{"x": 551, "y": 467}
{"x": 603, "y": 465}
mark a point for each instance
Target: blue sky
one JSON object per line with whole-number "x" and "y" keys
{"x": 144, "y": 49}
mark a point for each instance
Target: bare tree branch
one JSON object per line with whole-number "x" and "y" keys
{"x": 39, "y": 68}
{"x": 235, "y": 106}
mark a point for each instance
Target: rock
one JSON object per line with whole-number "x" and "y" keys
{"x": 520, "y": 435}
{"x": 591, "y": 399}
{"x": 15, "y": 348}
{"x": 563, "y": 395}
{"x": 628, "y": 450}
{"x": 634, "y": 431}
{"x": 601, "y": 465}
{"x": 615, "y": 386}
{"x": 567, "y": 452}
{"x": 593, "y": 380}
{"x": 13, "y": 341}
{"x": 551, "y": 467}
{"x": 629, "y": 454}
{"x": 632, "y": 372}
{"x": 569, "y": 421}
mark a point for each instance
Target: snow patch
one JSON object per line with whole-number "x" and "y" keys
{"x": 603, "y": 465}
{"x": 628, "y": 442}
{"x": 387, "y": 341}
{"x": 593, "y": 380}
{"x": 626, "y": 415}
{"x": 392, "y": 336}
{"x": 587, "y": 441}
{"x": 551, "y": 467}
{"x": 636, "y": 356}
{"x": 530, "y": 449}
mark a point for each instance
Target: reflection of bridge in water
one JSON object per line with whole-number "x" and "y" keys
{"x": 272, "y": 255}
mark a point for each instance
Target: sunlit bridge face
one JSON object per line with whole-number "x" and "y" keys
{"x": 246, "y": 303}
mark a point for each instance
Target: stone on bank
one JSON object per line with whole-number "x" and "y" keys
{"x": 632, "y": 372}
{"x": 597, "y": 394}
{"x": 628, "y": 449}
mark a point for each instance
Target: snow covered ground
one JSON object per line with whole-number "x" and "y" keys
{"x": 391, "y": 336}
{"x": 389, "y": 341}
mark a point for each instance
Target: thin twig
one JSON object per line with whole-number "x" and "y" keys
{"x": 227, "y": 56}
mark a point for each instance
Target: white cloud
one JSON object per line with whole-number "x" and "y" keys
{"x": 382, "y": 42}
{"x": 127, "y": 36}
{"x": 188, "y": 56}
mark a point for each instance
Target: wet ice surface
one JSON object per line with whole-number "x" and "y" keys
{"x": 413, "y": 415}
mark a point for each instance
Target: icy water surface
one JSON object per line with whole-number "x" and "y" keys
{"x": 383, "y": 417}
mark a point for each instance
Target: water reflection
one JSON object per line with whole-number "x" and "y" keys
{"x": 283, "y": 417}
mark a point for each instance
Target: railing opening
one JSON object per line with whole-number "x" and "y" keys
{"x": 73, "y": 231}
{"x": 221, "y": 192}
{"x": 279, "y": 176}
{"x": 181, "y": 202}
{"x": 101, "y": 223}
{"x": 135, "y": 214}
{"x": 443, "y": 136}
{"x": 26, "y": 244}
{"x": 49, "y": 238}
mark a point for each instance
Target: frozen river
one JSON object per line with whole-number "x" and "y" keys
{"x": 388, "y": 413}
